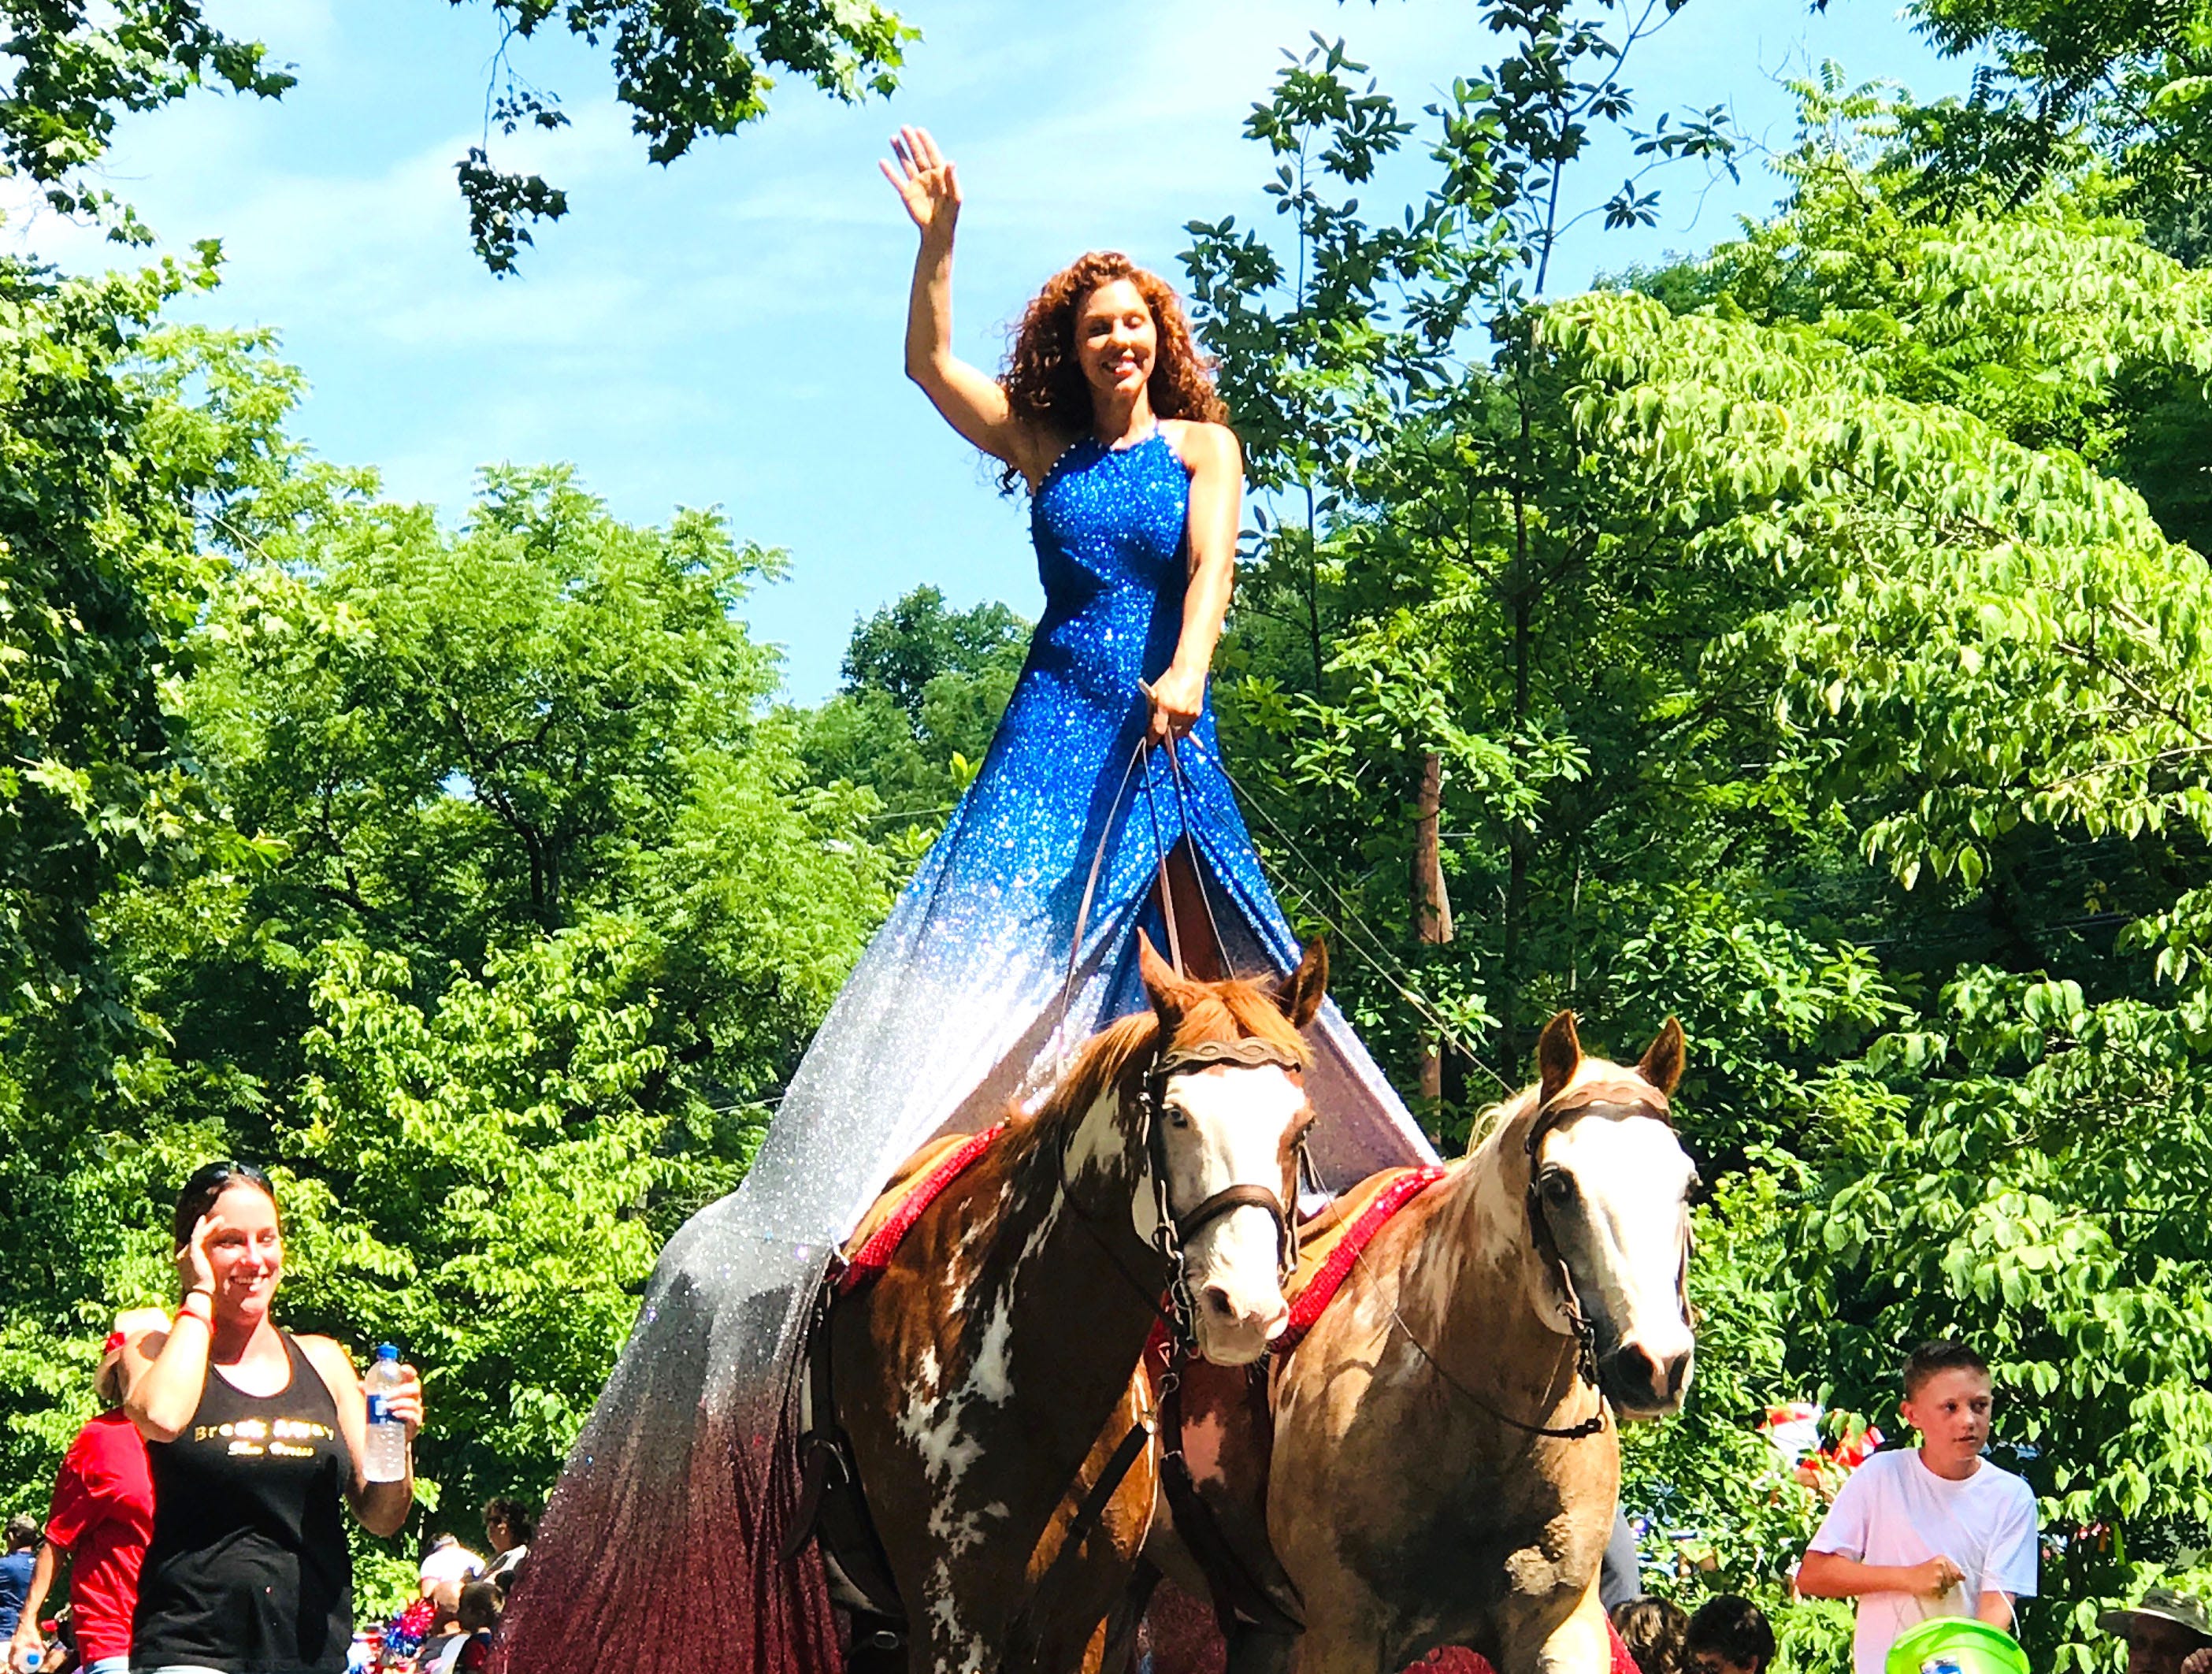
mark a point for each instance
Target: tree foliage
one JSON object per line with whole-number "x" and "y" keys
{"x": 2059, "y": 82}
{"x": 111, "y": 477}
{"x": 683, "y": 71}
{"x": 924, "y": 688}
{"x": 1811, "y": 638}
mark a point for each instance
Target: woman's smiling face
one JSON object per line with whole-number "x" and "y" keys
{"x": 1116, "y": 338}
{"x": 245, "y": 1251}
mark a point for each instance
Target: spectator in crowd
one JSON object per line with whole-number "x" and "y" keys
{"x": 101, "y": 1515}
{"x": 447, "y": 1560}
{"x": 401, "y": 1641}
{"x": 481, "y": 1604}
{"x": 442, "y": 1645}
{"x": 15, "y": 1567}
{"x": 1653, "y": 1629}
{"x": 510, "y": 1528}
{"x": 255, "y": 1439}
{"x": 1621, "y": 1572}
{"x": 1728, "y": 1635}
{"x": 1931, "y": 1530}
{"x": 2168, "y": 1633}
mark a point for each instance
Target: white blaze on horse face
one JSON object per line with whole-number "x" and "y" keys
{"x": 1625, "y": 1236}
{"x": 1224, "y": 1126}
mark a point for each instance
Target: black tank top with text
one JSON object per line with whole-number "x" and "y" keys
{"x": 248, "y": 1570}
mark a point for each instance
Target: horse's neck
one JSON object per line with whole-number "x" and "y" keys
{"x": 1072, "y": 1207}
{"x": 1480, "y": 1286}
{"x": 1097, "y": 1165}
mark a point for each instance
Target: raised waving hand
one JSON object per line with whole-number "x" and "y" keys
{"x": 927, "y": 183}
{"x": 970, "y": 400}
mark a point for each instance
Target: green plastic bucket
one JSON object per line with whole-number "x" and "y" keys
{"x": 1955, "y": 1645}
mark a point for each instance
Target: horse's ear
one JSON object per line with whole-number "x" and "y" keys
{"x": 1167, "y": 991}
{"x": 1662, "y": 1058}
{"x": 1559, "y": 1055}
{"x": 1300, "y": 994}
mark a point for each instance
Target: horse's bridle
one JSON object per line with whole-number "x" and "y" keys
{"x": 1172, "y": 1231}
{"x": 1614, "y": 1095}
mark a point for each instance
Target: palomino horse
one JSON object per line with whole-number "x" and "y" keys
{"x": 1443, "y": 1469}
{"x": 985, "y": 1379}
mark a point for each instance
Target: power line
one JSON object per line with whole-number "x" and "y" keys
{"x": 1376, "y": 956}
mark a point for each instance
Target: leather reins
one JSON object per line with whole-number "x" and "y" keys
{"x": 1171, "y": 1231}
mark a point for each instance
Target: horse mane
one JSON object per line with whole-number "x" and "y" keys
{"x": 1232, "y": 1010}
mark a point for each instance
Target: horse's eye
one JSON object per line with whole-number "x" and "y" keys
{"x": 1178, "y": 1117}
{"x": 1558, "y": 1186}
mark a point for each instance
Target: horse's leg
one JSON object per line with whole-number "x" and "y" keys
{"x": 1579, "y": 1644}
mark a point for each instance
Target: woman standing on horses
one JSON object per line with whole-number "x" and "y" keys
{"x": 1017, "y": 939}
{"x": 1103, "y": 787}
{"x": 1103, "y": 365}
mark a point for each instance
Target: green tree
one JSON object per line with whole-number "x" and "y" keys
{"x": 2061, "y": 82}
{"x": 682, "y": 70}
{"x": 119, "y": 441}
{"x": 924, "y": 689}
{"x": 1354, "y": 366}
{"x": 1801, "y": 661}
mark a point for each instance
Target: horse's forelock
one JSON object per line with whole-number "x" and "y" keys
{"x": 1222, "y": 1010}
{"x": 1234, "y": 1010}
{"x": 1514, "y": 1115}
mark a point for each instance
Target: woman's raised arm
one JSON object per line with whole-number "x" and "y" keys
{"x": 165, "y": 1373}
{"x": 971, "y": 400}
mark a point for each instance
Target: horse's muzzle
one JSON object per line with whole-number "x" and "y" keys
{"x": 1641, "y": 1384}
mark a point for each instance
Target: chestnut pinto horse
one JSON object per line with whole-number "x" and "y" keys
{"x": 985, "y": 1379}
{"x": 1444, "y": 1468}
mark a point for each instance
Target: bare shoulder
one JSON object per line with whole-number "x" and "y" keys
{"x": 1203, "y": 446}
{"x": 330, "y": 1358}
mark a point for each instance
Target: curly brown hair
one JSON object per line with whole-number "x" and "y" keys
{"x": 1045, "y": 382}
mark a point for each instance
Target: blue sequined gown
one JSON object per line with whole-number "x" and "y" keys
{"x": 950, "y": 1012}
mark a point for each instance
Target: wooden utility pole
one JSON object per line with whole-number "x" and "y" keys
{"x": 1432, "y": 919}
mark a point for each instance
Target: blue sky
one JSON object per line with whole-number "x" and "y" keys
{"x": 726, "y": 332}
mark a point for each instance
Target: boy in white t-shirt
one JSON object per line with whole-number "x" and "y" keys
{"x": 1935, "y": 1531}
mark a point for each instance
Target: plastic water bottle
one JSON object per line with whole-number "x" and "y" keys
{"x": 387, "y": 1436}
{"x": 31, "y": 1660}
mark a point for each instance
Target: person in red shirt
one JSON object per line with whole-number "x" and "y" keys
{"x": 101, "y": 1518}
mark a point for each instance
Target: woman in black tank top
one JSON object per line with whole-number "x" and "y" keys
{"x": 255, "y": 1438}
